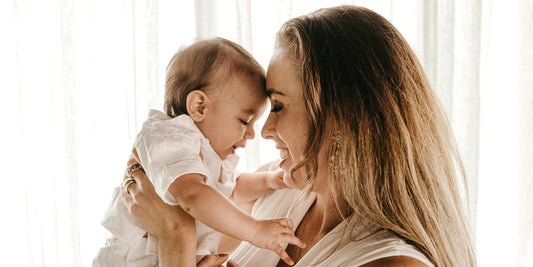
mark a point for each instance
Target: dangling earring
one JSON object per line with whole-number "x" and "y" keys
{"x": 336, "y": 162}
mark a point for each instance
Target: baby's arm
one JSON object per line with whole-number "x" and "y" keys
{"x": 214, "y": 210}
{"x": 228, "y": 244}
{"x": 251, "y": 186}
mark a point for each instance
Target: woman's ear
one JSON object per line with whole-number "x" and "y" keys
{"x": 197, "y": 102}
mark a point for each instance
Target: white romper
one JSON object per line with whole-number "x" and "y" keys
{"x": 168, "y": 148}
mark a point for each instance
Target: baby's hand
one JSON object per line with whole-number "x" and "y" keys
{"x": 272, "y": 233}
{"x": 275, "y": 180}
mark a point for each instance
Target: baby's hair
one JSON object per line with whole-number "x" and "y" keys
{"x": 203, "y": 64}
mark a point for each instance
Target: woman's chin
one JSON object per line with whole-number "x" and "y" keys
{"x": 288, "y": 181}
{"x": 286, "y": 165}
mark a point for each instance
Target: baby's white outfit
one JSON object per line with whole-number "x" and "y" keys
{"x": 168, "y": 148}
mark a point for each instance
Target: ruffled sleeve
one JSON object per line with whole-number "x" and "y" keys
{"x": 169, "y": 148}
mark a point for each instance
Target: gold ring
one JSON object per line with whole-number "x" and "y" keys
{"x": 127, "y": 183}
{"x": 134, "y": 167}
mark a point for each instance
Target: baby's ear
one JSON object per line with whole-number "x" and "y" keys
{"x": 197, "y": 102}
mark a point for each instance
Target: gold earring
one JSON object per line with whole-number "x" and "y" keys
{"x": 336, "y": 162}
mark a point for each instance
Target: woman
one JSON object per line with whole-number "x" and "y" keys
{"x": 365, "y": 143}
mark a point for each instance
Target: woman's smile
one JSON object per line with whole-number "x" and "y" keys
{"x": 283, "y": 154}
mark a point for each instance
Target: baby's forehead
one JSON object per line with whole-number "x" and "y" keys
{"x": 239, "y": 83}
{"x": 248, "y": 93}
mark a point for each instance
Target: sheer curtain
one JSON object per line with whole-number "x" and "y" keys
{"x": 78, "y": 77}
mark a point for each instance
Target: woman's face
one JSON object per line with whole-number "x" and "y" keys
{"x": 287, "y": 123}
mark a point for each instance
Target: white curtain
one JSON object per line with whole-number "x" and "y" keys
{"x": 78, "y": 77}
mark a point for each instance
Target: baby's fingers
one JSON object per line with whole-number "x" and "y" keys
{"x": 286, "y": 223}
{"x": 292, "y": 239}
{"x": 213, "y": 260}
{"x": 284, "y": 256}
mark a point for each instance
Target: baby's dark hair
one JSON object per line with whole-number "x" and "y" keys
{"x": 200, "y": 65}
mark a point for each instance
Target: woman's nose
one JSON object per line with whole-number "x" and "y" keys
{"x": 268, "y": 128}
{"x": 250, "y": 132}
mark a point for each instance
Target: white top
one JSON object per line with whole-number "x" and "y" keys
{"x": 366, "y": 247}
{"x": 169, "y": 148}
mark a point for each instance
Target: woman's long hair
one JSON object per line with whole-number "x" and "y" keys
{"x": 392, "y": 156}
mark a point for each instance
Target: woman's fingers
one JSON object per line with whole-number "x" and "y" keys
{"x": 213, "y": 260}
{"x": 126, "y": 197}
{"x": 143, "y": 182}
{"x": 131, "y": 160}
{"x": 129, "y": 185}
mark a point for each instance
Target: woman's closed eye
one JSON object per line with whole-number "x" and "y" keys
{"x": 243, "y": 122}
{"x": 276, "y": 107}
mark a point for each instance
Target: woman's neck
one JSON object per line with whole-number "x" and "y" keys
{"x": 319, "y": 220}
{"x": 324, "y": 213}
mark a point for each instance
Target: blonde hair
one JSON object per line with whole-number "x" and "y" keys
{"x": 203, "y": 65}
{"x": 392, "y": 157}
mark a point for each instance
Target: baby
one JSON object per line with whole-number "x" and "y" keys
{"x": 215, "y": 92}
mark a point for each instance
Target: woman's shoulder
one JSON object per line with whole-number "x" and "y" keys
{"x": 381, "y": 249}
{"x": 364, "y": 248}
{"x": 395, "y": 261}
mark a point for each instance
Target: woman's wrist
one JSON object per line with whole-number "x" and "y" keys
{"x": 177, "y": 251}
{"x": 177, "y": 244}
{"x": 178, "y": 225}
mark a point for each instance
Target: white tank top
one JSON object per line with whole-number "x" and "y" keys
{"x": 327, "y": 252}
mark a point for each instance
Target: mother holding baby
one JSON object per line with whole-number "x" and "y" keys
{"x": 366, "y": 149}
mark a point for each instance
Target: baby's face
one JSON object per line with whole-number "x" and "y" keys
{"x": 229, "y": 119}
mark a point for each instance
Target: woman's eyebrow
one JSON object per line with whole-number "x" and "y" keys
{"x": 248, "y": 111}
{"x": 272, "y": 91}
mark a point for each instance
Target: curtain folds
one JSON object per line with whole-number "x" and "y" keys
{"x": 525, "y": 131}
{"x": 78, "y": 78}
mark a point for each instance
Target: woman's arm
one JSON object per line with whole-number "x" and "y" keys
{"x": 174, "y": 228}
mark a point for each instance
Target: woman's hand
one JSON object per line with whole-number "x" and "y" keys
{"x": 174, "y": 228}
{"x": 152, "y": 213}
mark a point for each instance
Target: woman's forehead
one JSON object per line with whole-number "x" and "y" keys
{"x": 282, "y": 79}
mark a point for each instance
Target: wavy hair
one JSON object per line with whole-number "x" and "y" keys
{"x": 393, "y": 158}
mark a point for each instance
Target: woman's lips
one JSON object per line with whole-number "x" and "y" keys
{"x": 284, "y": 154}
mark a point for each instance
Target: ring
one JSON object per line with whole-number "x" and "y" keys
{"x": 127, "y": 183}
{"x": 134, "y": 167}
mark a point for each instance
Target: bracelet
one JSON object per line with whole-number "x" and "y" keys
{"x": 133, "y": 168}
